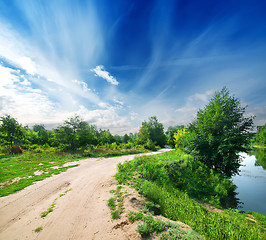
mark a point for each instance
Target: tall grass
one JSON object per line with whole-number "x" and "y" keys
{"x": 174, "y": 180}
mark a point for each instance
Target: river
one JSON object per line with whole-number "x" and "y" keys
{"x": 251, "y": 183}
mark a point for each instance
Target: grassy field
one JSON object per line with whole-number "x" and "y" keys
{"x": 176, "y": 182}
{"x": 20, "y": 171}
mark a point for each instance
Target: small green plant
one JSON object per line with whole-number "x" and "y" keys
{"x": 116, "y": 214}
{"x": 135, "y": 216}
{"x": 38, "y": 229}
{"x": 111, "y": 203}
{"x": 49, "y": 210}
{"x": 116, "y": 203}
{"x": 63, "y": 194}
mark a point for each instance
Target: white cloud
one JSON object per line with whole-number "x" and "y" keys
{"x": 118, "y": 101}
{"x": 83, "y": 84}
{"x": 204, "y": 97}
{"x": 99, "y": 71}
{"x": 27, "y": 64}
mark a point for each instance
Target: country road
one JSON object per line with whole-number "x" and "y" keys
{"x": 81, "y": 213}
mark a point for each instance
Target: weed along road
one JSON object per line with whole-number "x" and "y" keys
{"x": 71, "y": 205}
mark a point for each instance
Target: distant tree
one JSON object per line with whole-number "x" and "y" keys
{"x": 179, "y": 138}
{"x": 11, "y": 131}
{"x": 170, "y": 134}
{"x": 105, "y": 137}
{"x": 126, "y": 138}
{"x": 118, "y": 139}
{"x": 42, "y": 134}
{"x": 152, "y": 132}
{"x": 220, "y": 132}
{"x": 67, "y": 133}
{"x": 86, "y": 134}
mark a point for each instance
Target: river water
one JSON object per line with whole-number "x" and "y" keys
{"x": 251, "y": 183}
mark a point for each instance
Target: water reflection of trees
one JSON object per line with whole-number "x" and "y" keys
{"x": 260, "y": 155}
{"x": 232, "y": 201}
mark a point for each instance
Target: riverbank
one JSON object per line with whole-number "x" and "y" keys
{"x": 162, "y": 180}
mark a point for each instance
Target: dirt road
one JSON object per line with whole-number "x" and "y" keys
{"x": 81, "y": 213}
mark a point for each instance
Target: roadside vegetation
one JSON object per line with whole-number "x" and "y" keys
{"x": 198, "y": 172}
{"x": 116, "y": 203}
{"x": 179, "y": 184}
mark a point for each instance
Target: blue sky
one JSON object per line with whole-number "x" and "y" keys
{"x": 116, "y": 63}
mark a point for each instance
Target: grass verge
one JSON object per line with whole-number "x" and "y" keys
{"x": 174, "y": 180}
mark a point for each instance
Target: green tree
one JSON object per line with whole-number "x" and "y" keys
{"x": 220, "y": 132}
{"x": 170, "y": 134}
{"x": 152, "y": 132}
{"x": 126, "y": 138}
{"x": 105, "y": 137}
{"x": 67, "y": 133}
{"x": 261, "y": 135}
{"x": 42, "y": 134}
{"x": 86, "y": 134}
{"x": 11, "y": 131}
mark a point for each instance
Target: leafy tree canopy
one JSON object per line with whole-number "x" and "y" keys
{"x": 11, "y": 131}
{"x": 152, "y": 131}
{"x": 220, "y": 132}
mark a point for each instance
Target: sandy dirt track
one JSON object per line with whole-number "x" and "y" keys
{"x": 81, "y": 213}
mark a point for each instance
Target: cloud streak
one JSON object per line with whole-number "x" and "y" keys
{"x": 100, "y": 72}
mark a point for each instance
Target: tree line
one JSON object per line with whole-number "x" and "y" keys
{"x": 217, "y": 135}
{"x": 76, "y": 133}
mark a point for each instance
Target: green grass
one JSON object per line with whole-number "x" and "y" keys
{"x": 116, "y": 203}
{"x": 182, "y": 172}
{"x": 169, "y": 230}
{"x": 51, "y": 208}
{"x": 38, "y": 229}
{"x": 173, "y": 181}
{"x": 17, "y": 171}
{"x": 101, "y": 151}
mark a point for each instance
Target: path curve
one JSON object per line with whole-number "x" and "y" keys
{"x": 81, "y": 213}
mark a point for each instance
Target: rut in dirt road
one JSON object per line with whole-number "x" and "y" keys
{"x": 81, "y": 213}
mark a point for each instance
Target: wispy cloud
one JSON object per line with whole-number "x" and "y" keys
{"x": 82, "y": 84}
{"x": 100, "y": 72}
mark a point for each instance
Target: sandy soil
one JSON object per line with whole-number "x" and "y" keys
{"x": 81, "y": 213}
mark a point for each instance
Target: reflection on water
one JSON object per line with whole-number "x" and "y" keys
{"x": 260, "y": 155}
{"x": 251, "y": 184}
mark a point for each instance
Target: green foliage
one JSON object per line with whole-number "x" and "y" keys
{"x": 116, "y": 203}
{"x": 177, "y": 205}
{"x": 170, "y": 134}
{"x": 171, "y": 179}
{"x": 261, "y": 135}
{"x": 152, "y": 131}
{"x": 49, "y": 210}
{"x": 38, "y": 229}
{"x": 178, "y": 170}
{"x": 75, "y": 133}
{"x": 219, "y": 133}
{"x": 169, "y": 230}
{"x": 179, "y": 138}
{"x": 11, "y": 132}
{"x": 260, "y": 155}
{"x": 18, "y": 171}
{"x": 111, "y": 203}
